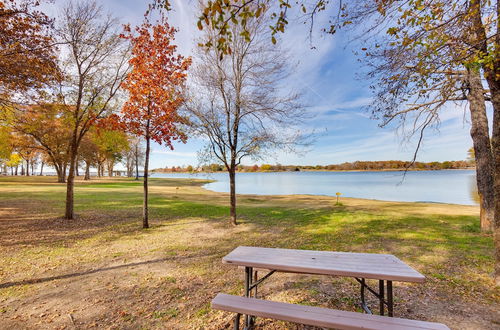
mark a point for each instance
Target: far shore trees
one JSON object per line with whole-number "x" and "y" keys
{"x": 155, "y": 86}
{"x": 238, "y": 103}
{"x": 94, "y": 66}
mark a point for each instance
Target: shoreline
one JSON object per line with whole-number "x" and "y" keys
{"x": 204, "y": 182}
{"x": 322, "y": 170}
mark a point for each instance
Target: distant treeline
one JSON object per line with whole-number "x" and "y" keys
{"x": 348, "y": 166}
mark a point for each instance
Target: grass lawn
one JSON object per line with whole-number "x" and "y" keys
{"x": 103, "y": 270}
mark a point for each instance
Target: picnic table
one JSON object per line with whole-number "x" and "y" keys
{"x": 385, "y": 268}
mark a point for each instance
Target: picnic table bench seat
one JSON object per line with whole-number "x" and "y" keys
{"x": 316, "y": 316}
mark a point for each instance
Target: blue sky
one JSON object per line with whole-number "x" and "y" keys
{"x": 326, "y": 76}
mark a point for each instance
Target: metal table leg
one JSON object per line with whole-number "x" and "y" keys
{"x": 390, "y": 303}
{"x": 383, "y": 301}
{"x": 381, "y": 290}
{"x": 248, "y": 289}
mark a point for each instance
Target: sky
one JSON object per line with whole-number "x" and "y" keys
{"x": 327, "y": 77}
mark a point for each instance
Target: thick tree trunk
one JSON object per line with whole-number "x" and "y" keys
{"x": 110, "y": 168}
{"x": 69, "y": 215}
{"x": 87, "y": 171}
{"x": 482, "y": 149}
{"x": 492, "y": 76}
{"x": 232, "y": 194}
{"x": 27, "y": 168}
{"x": 145, "y": 215}
{"x": 61, "y": 177}
{"x": 41, "y": 168}
{"x": 17, "y": 168}
{"x": 61, "y": 173}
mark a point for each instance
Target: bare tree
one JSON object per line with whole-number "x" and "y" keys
{"x": 134, "y": 157}
{"x": 94, "y": 67}
{"x": 238, "y": 103}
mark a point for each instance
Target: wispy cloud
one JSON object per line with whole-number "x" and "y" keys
{"x": 175, "y": 153}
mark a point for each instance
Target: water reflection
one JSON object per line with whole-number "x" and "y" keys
{"x": 445, "y": 186}
{"x": 474, "y": 193}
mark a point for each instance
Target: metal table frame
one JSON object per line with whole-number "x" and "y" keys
{"x": 252, "y": 282}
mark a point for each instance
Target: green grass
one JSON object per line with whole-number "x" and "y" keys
{"x": 190, "y": 232}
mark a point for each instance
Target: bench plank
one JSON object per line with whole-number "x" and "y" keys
{"x": 317, "y": 316}
{"x": 363, "y": 265}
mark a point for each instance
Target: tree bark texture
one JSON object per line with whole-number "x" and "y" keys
{"x": 482, "y": 149}
{"x": 232, "y": 193}
{"x": 145, "y": 213}
{"x": 136, "y": 163}
{"x": 69, "y": 215}
{"x": 87, "y": 171}
{"x": 492, "y": 76}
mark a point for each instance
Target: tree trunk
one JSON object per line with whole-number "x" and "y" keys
{"x": 41, "y": 168}
{"x": 61, "y": 173}
{"x": 137, "y": 162}
{"x": 496, "y": 187}
{"x": 27, "y": 167}
{"x": 77, "y": 172}
{"x": 69, "y": 215}
{"x": 65, "y": 165}
{"x": 232, "y": 193}
{"x": 110, "y": 168}
{"x": 87, "y": 171}
{"x": 482, "y": 149}
{"x": 492, "y": 76}
{"x": 145, "y": 219}
{"x": 17, "y": 166}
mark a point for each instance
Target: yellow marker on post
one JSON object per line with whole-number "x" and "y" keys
{"x": 338, "y": 195}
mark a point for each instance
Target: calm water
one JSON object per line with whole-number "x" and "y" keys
{"x": 446, "y": 186}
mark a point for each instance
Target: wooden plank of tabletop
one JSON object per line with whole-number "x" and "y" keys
{"x": 349, "y": 264}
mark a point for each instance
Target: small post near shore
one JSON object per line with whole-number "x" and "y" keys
{"x": 338, "y": 196}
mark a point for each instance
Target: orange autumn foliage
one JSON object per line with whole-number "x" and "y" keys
{"x": 155, "y": 84}
{"x": 27, "y": 56}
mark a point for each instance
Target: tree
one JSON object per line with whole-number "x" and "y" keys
{"x": 239, "y": 106}
{"x": 88, "y": 153}
{"x": 13, "y": 162}
{"x": 112, "y": 145}
{"x": 466, "y": 34}
{"x": 94, "y": 68}
{"x": 155, "y": 90}
{"x": 27, "y": 55}
{"x": 47, "y": 124}
{"x": 440, "y": 53}
{"x": 134, "y": 157}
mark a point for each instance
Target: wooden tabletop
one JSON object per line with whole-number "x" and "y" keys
{"x": 361, "y": 265}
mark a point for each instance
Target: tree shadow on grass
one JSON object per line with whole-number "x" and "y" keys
{"x": 93, "y": 271}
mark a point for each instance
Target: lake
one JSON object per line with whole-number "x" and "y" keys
{"x": 445, "y": 186}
